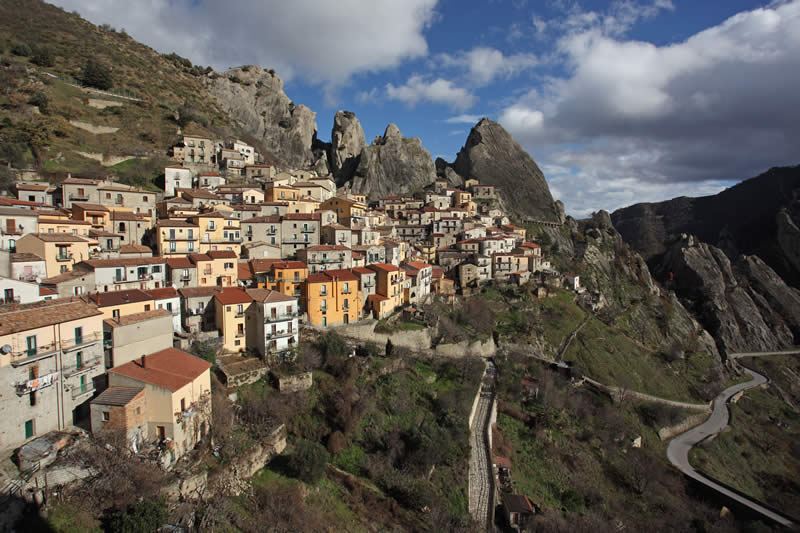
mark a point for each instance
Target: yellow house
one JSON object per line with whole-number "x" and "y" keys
{"x": 97, "y": 215}
{"x": 218, "y": 232}
{"x": 287, "y": 277}
{"x": 177, "y": 238}
{"x": 303, "y": 205}
{"x": 117, "y": 304}
{"x": 60, "y": 251}
{"x": 216, "y": 268}
{"x": 281, "y": 193}
{"x": 230, "y": 306}
{"x": 332, "y": 297}
{"x": 177, "y": 397}
{"x": 390, "y": 283}
{"x": 345, "y": 208}
{"x": 64, "y": 225}
{"x": 56, "y": 353}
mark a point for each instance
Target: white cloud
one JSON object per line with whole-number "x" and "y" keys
{"x": 367, "y": 97}
{"x": 632, "y": 118}
{"x": 324, "y": 42}
{"x": 438, "y": 91}
{"x": 464, "y": 119}
{"x": 484, "y": 64}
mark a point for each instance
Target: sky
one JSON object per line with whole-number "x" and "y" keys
{"x": 618, "y": 102}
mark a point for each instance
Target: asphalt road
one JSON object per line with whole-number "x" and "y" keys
{"x": 679, "y": 447}
{"x": 480, "y": 466}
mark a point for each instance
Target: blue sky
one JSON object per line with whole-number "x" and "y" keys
{"x": 619, "y": 102}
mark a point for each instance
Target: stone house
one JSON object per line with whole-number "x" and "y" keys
{"x": 298, "y": 231}
{"x": 120, "y": 409}
{"x": 126, "y": 338}
{"x": 130, "y": 273}
{"x": 60, "y": 251}
{"x": 36, "y": 193}
{"x": 197, "y": 308}
{"x": 272, "y": 327}
{"x": 230, "y": 305}
{"x": 177, "y": 177}
{"x": 177, "y": 397}
{"x": 326, "y": 257}
{"x": 367, "y": 284}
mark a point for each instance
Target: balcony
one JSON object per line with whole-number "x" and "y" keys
{"x": 185, "y": 276}
{"x": 82, "y": 390}
{"x": 308, "y": 230}
{"x": 279, "y": 334}
{"x": 64, "y": 257}
{"x": 239, "y": 334}
{"x": 280, "y": 317}
{"x": 145, "y": 277}
{"x": 25, "y": 387}
{"x": 77, "y": 197}
{"x": 29, "y": 355}
{"x": 14, "y": 300}
{"x": 86, "y": 367}
{"x": 347, "y": 291}
{"x": 207, "y": 272}
{"x": 239, "y": 314}
{"x": 73, "y": 343}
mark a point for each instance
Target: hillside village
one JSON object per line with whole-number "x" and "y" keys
{"x": 106, "y": 286}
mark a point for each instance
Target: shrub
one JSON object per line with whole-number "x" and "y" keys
{"x": 146, "y": 515}
{"x": 41, "y": 101}
{"x": 205, "y": 351}
{"x": 333, "y": 347}
{"x": 96, "y": 75}
{"x": 21, "y": 49}
{"x": 308, "y": 461}
{"x": 43, "y": 57}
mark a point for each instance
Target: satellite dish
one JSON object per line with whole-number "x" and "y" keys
{"x": 174, "y": 286}
{"x": 38, "y": 279}
{"x": 6, "y": 348}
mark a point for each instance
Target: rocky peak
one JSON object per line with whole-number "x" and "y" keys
{"x": 254, "y": 97}
{"x": 347, "y": 142}
{"x": 392, "y": 133}
{"x": 492, "y": 156}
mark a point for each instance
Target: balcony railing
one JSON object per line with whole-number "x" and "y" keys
{"x": 347, "y": 291}
{"x": 85, "y": 367}
{"x": 15, "y": 299}
{"x": 79, "y": 390}
{"x": 239, "y": 314}
{"x": 280, "y": 334}
{"x": 239, "y": 334}
{"x": 64, "y": 257}
{"x": 309, "y": 230}
{"x": 76, "y": 196}
{"x": 145, "y": 277}
{"x": 280, "y": 317}
{"x": 186, "y": 277}
{"x": 36, "y": 351}
{"x": 70, "y": 343}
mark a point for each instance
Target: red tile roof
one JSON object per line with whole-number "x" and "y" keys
{"x": 318, "y": 278}
{"x": 222, "y": 254}
{"x": 135, "y": 318}
{"x": 289, "y": 265}
{"x": 15, "y": 318}
{"x": 171, "y": 369}
{"x": 162, "y": 293}
{"x": 385, "y": 267}
{"x": 233, "y": 295}
{"x": 341, "y": 275}
{"x": 362, "y": 270}
{"x": 244, "y": 271}
{"x": 128, "y": 296}
{"x": 267, "y": 296}
{"x": 179, "y": 262}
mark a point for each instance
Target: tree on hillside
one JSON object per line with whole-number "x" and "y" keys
{"x": 96, "y": 75}
{"x": 308, "y": 461}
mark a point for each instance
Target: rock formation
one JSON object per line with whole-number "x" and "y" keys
{"x": 492, "y": 156}
{"x": 444, "y": 170}
{"x": 745, "y": 219}
{"x": 393, "y": 164}
{"x": 744, "y": 304}
{"x": 347, "y": 143}
{"x": 254, "y": 97}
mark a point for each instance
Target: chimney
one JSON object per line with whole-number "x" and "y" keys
{"x": 143, "y": 365}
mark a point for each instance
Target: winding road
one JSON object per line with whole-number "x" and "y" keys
{"x": 480, "y": 465}
{"x": 679, "y": 447}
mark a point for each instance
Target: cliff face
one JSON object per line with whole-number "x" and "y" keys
{"x": 492, "y": 156}
{"x": 255, "y": 98}
{"x": 759, "y": 216}
{"x": 347, "y": 143}
{"x": 392, "y": 164}
{"x": 744, "y": 304}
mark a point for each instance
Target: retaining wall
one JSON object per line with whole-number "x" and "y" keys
{"x": 688, "y": 423}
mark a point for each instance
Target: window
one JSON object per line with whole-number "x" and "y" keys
{"x": 30, "y": 343}
{"x": 211, "y": 225}
{"x": 173, "y": 247}
{"x": 83, "y": 383}
{"x": 323, "y": 291}
{"x": 137, "y": 411}
{"x": 29, "y": 429}
{"x": 156, "y": 268}
{"x": 115, "y": 314}
{"x": 183, "y": 404}
{"x": 240, "y": 308}
{"x": 79, "y": 335}
{"x": 32, "y": 398}
{"x": 237, "y": 343}
{"x": 146, "y": 307}
{"x": 190, "y": 233}
{"x": 191, "y": 246}
{"x": 79, "y": 360}
{"x": 144, "y": 198}
{"x": 121, "y": 226}
{"x": 323, "y": 305}
{"x": 106, "y": 416}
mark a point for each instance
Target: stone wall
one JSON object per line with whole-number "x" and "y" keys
{"x": 106, "y": 160}
{"x": 688, "y": 423}
{"x": 92, "y": 128}
{"x": 415, "y": 340}
{"x": 476, "y": 348}
{"x": 477, "y": 395}
{"x": 296, "y": 383}
{"x": 492, "y": 422}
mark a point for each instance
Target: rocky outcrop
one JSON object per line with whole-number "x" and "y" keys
{"x": 744, "y": 304}
{"x": 444, "y": 170}
{"x": 347, "y": 142}
{"x": 254, "y": 97}
{"x": 393, "y": 164}
{"x": 492, "y": 156}
{"x": 744, "y": 219}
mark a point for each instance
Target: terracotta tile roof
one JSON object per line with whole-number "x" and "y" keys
{"x": 127, "y": 216}
{"x": 341, "y": 274}
{"x": 31, "y": 187}
{"x": 233, "y": 295}
{"x": 202, "y": 194}
{"x": 289, "y": 265}
{"x": 175, "y": 223}
{"x": 128, "y": 296}
{"x": 385, "y": 267}
{"x": 162, "y": 293}
{"x": 327, "y": 248}
{"x": 244, "y": 271}
{"x": 58, "y": 237}
{"x": 176, "y": 200}
{"x": 14, "y": 201}
{"x": 69, "y": 222}
{"x": 80, "y": 181}
{"x": 90, "y": 207}
{"x": 274, "y": 219}
{"x": 222, "y": 254}
{"x": 318, "y": 278}
{"x": 195, "y": 258}
{"x": 101, "y": 233}
{"x": 362, "y": 270}
{"x": 66, "y": 276}
{"x": 124, "y": 262}
{"x": 134, "y": 248}
{"x": 377, "y": 297}
{"x": 260, "y": 266}
{"x": 194, "y": 292}
{"x": 171, "y": 369}
{"x": 419, "y": 265}
{"x": 135, "y": 318}
{"x": 44, "y": 291}
{"x": 21, "y": 257}
{"x": 437, "y": 273}
{"x": 118, "y": 396}
{"x": 179, "y": 262}
{"x": 46, "y": 313}
{"x": 267, "y": 296}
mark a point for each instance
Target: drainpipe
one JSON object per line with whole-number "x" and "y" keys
{"x": 60, "y": 370}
